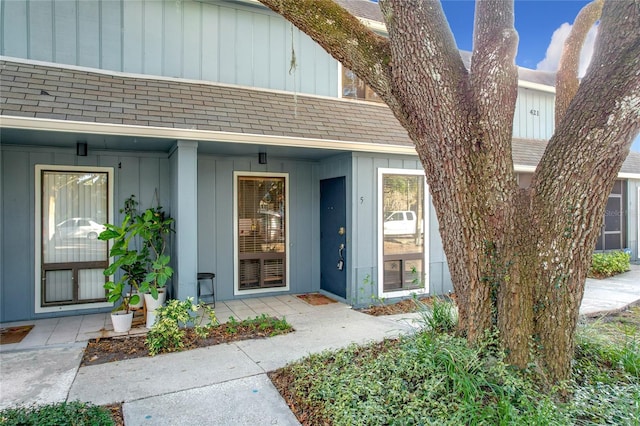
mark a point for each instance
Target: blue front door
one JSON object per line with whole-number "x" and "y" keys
{"x": 333, "y": 238}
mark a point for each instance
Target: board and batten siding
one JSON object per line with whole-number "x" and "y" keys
{"x": 364, "y": 244}
{"x": 215, "y": 220}
{"x": 137, "y": 174}
{"x": 534, "y": 115}
{"x": 213, "y": 41}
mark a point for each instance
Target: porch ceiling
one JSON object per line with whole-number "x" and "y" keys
{"x": 100, "y": 142}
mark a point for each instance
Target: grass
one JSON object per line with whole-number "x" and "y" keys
{"x": 433, "y": 377}
{"x": 62, "y": 414}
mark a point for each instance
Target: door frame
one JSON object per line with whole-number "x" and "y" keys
{"x": 236, "y": 259}
{"x": 38, "y": 169}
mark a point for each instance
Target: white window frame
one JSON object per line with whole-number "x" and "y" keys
{"x": 236, "y": 260}
{"x": 38, "y": 233}
{"x": 380, "y": 214}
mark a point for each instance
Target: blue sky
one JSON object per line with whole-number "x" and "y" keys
{"x": 542, "y": 26}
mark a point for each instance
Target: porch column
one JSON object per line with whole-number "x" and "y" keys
{"x": 184, "y": 207}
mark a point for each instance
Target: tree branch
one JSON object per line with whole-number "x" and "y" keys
{"x": 344, "y": 37}
{"x": 429, "y": 77}
{"x": 494, "y": 75}
{"x": 584, "y": 143}
{"x": 567, "y": 76}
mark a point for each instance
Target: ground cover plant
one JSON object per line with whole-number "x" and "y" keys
{"x": 434, "y": 377}
{"x": 608, "y": 264}
{"x": 100, "y": 351}
{"x": 62, "y": 414}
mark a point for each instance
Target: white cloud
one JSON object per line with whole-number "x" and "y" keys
{"x": 554, "y": 51}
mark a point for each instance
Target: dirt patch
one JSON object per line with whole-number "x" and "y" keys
{"x": 405, "y": 306}
{"x": 116, "y": 413}
{"x": 100, "y": 351}
{"x": 316, "y": 299}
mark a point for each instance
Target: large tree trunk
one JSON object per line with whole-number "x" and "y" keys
{"x": 518, "y": 258}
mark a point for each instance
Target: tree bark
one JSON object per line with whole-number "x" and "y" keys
{"x": 575, "y": 177}
{"x": 518, "y": 258}
{"x": 567, "y": 76}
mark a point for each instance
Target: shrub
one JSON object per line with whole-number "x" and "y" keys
{"x": 608, "y": 264}
{"x": 440, "y": 317}
{"x": 168, "y": 331}
{"x": 62, "y": 414}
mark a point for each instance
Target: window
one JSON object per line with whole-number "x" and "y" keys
{"x": 72, "y": 207}
{"x": 613, "y": 232}
{"x": 354, "y": 88}
{"x": 261, "y": 232}
{"x": 403, "y": 213}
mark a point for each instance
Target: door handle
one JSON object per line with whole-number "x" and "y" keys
{"x": 340, "y": 265}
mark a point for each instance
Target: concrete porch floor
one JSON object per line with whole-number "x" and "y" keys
{"x": 80, "y": 328}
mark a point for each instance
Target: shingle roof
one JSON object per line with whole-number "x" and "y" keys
{"x": 528, "y": 152}
{"x": 56, "y": 92}
{"x": 362, "y": 9}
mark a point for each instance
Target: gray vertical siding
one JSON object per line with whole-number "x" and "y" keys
{"x": 534, "y": 117}
{"x": 215, "y": 41}
{"x": 138, "y": 174}
{"x": 364, "y": 247}
{"x": 215, "y": 219}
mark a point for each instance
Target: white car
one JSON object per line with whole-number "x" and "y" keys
{"x": 400, "y": 223}
{"x": 79, "y": 227}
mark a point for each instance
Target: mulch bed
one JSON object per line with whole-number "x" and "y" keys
{"x": 116, "y": 413}
{"x": 103, "y": 350}
{"x": 405, "y": 306}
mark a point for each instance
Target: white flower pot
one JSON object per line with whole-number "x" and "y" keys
{"x": 152, "y": 305}
{"x": 138, "y": 305}
{"x": 121, "y": 321}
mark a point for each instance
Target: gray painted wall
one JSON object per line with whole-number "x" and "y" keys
{"x": 215, "y": 220}
{"x": 138, "y": 174}
{"x": 534, "y": 117}
{"x": 215, "y": 41}
{"x": 364, "y": 247}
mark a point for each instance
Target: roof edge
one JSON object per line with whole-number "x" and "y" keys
{"x": 46, "y": 124}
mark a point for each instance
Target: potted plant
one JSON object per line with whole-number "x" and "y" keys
{"x": 131, "y": 262}
{"x": 139, "y": 246}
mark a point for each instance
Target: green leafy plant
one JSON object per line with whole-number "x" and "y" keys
{"x": 232, "y": 325}
{"x": 168, "y": 331}
{"x": 62, "y": 414}
{"x": 608, "y": 264}
{"x": 438, "y": 378}
{"x": 440, "y": 317}
{"x": 138, "y": 249}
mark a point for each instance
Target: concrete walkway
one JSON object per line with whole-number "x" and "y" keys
{"x": 224, "y": 384}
